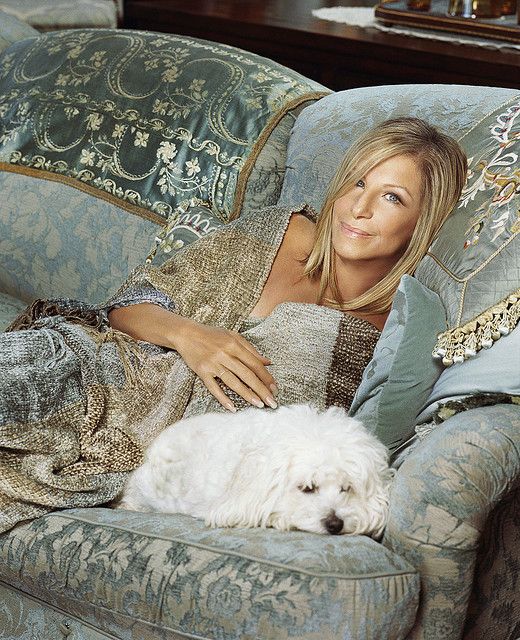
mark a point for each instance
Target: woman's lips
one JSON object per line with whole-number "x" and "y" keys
{"x": 353, "y": 232}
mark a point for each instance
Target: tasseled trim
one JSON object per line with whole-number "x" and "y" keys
{"x": 461, "y": 343}
{"x": 71, "y": 310}
{"x": 130, "y": 354}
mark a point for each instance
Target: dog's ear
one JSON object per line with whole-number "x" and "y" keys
{"x": 259, "y": 480}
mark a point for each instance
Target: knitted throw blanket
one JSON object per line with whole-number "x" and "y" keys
{"x": 79, "y": 401}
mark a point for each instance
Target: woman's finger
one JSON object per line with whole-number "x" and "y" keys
{"x": 235, "y": 384}
{"x": 259, "y": 369}
{"x": 214, "y": 388}
{"x": 259, "y": 384}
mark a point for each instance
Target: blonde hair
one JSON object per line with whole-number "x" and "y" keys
{"x": 443, "y": 165}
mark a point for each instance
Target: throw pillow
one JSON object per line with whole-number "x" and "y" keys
{"x": 482, "y": 374}
{"x": 150, "y": 119}
{"x": 402, "y": 372}
{"x": 184, "y": 226}
{"x": 474, "y": 264}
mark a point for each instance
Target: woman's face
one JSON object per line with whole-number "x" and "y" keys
{"x": 374, "y": 221}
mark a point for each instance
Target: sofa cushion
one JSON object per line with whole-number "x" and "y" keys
{"x": 130, "y": 574}
{"x": 12, "y": 29}
{"x": 474, "y": 264}
{"x": 48, "y": 15}
{"x": 56, "y": 240}
{"x": 323, "y": 132}
{"x": 10, "y": 308}
{"x": 400, "y": 376}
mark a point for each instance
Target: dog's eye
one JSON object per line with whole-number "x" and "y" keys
{"x": 305, "y": 488}
{"x": 346, "y": 488}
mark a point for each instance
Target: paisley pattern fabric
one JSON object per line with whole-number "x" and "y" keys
{"x": 48, "y": 15}
{"x": 136, "y": 576}
{"x": 152, "y": 119}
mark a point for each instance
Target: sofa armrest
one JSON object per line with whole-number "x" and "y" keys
{"x": 441, "y": 498}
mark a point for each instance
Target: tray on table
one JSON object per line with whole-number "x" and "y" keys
{"x": 395, "y": 12}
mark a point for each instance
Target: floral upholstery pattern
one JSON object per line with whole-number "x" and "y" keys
{"x": 10, "y": 307}
{"x": 171, "y": 573}
{"x": 443, "y": 499}
{"x": 45, "y": 226}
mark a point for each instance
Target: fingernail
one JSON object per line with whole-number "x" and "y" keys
{"x": 258, "y": 403}
{"x": 271, "y": 402}
{"x": 274, "y": 389}
{"x": 231, "y": 407}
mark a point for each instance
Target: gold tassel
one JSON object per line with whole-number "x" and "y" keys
{"x": 459, "y": 344}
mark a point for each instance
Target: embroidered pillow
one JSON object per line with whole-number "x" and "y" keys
{"x": 474, "y": 264}
{"x": 184, "y": 226}
{"x": 150, "y": 119}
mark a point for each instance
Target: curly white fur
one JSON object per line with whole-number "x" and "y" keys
{"x": 293, "y": 468}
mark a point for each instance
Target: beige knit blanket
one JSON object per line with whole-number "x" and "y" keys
{"x": 83, "y": 401}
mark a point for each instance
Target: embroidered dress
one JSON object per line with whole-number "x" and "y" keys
{"x": 79, "y": 401}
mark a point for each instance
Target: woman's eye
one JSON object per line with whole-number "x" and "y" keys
{"x": 306, "y": 488}
{"x": 393, "y": 197}
{"x": 360, "y": 183}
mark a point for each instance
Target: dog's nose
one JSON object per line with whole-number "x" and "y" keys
{"x": 333, "y": 524}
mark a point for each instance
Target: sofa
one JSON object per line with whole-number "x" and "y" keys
{"x": 120, "y": 147}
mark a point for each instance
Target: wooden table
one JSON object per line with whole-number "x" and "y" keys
{"x": 337, "y": 55}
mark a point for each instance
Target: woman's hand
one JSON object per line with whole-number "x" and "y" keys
{"x": 212, "y": 353}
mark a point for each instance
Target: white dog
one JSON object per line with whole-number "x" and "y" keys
{"x": 293, "y": 468}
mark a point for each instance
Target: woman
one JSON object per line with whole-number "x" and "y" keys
{"x": 390, "y": 196}
{"x": 274, "y": 307}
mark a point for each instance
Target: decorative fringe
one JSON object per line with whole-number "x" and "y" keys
{"x": 459, "y": 344}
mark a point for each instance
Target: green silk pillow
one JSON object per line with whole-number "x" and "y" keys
{"x": 149, "y": 119}
{"x": 184, "y": 226}
{"x": 400, "y": 376}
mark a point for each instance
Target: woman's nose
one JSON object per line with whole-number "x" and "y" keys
{"x": 361, "y": 207}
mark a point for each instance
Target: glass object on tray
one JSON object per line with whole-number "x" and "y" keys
{"x": 508, "y": 7}
{"x": 475, "y": 8}
{"x": 418, "y": 5}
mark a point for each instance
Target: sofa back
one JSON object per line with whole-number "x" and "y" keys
{"x": 104, "y": 134}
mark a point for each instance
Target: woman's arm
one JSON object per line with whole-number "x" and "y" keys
{"x": 210, "y": 352}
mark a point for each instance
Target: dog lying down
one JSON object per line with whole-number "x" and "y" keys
{"x": 293, "y": 468}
